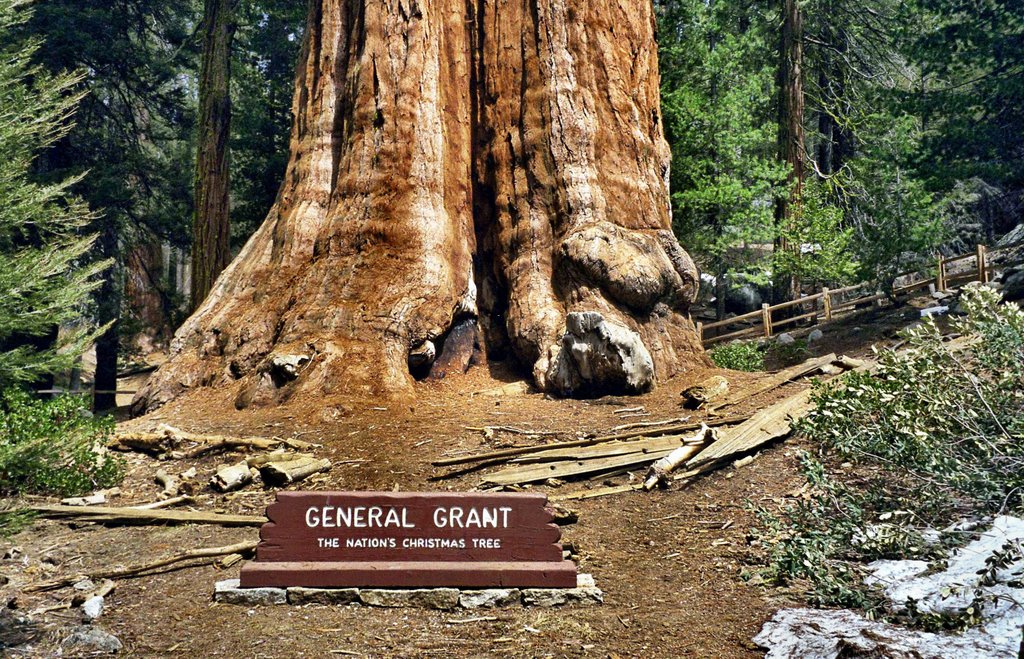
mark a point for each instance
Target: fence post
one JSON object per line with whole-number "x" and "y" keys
{"x": 982, "y": 266}
{"x": 940, "y": 275}
{"x": 827, "y": 302}
{"x": 766, "y": 318}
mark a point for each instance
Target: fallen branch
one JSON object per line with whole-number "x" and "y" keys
{"x": 166, "y": 503}
{"x": 104, "y": 514}
{"x": 290, "y": 471}
{"x": 167, "y": 438}
{"x": 147, "y": 568}
{"x": 232, "y": 477}
{"x": 660, "y": 470}
{"x": 170, "y": 483}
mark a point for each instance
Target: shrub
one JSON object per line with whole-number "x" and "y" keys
{"x": 53, "y": 447}
{"x": 933, "y": 434}
{"x": 739, "y": 356}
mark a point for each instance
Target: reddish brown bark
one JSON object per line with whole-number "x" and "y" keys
{"x": 496, "y": 160}
{"x": 791, "y": 134}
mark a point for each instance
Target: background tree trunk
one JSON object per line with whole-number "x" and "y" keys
{"x": 211, "y": 230}
{"x": 452, "y": 162}
{"x": 791, "y": 135}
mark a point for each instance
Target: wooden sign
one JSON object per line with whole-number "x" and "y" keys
{"x": 409, "y": 539}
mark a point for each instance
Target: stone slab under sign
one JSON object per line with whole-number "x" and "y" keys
{"x": 229, "y": 591}
{"x": 409, "y": 540}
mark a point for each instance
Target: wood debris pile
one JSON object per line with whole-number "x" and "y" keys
{"x": 666, "y": 451}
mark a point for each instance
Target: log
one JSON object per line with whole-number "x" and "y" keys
{"x": 245, "y": 547}
{"x": 291, "y": 471}
{"x": 167, "y": 438}
{"x": 607, "y": 449}
{"x": 105, "y": 514}
{"x": 541, "y": 472}
{"x": 232, "y": 477}
{"x": 660, "y": 470}
{"x": 165, "y": 503}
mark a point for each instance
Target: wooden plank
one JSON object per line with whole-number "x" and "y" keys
{"x": 793, "y": 319}
{"x": 779, "y": 379}
{"x": 732, "y": 335}
{"x": 106, "y": 514}
{"x": 607, "y": 449}
{"x": 567, "y": 469}
{"x": 734, "y": 319}
{"x": 768, "y": 424}
{"x": 796, "y": 302}
{"x": 524, "y": 450}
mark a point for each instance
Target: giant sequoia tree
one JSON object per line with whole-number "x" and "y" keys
{"x": 498, "y": 162}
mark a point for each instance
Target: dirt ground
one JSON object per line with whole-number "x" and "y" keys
{"x": 669, "y": 562}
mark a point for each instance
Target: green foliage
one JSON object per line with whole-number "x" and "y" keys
{"x": 897, "y": 222}
{"x": 53, "y": 447}
{"x": 265, "y": 47}
{"x": 717, "y": 80}
{"x": 43, "y": 245}
{"x": 932, "y": 434}
{"x": 739, "y": 356}
{"x": 820, "y": 229}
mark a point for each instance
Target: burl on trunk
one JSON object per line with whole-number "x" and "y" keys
{"x": 463, "y": 174}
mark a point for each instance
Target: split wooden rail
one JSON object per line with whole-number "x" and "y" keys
{"x": 828, "y": 302}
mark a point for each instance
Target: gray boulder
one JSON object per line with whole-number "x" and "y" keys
{"x": 742, "y": 299}
{"x": 598, "y": 357}
{"x": 1013, "y": 286}
{"x": 91, "y": 640}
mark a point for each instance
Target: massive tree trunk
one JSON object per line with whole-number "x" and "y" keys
{"x": 791, "y": 136}
{"x": 455, "y": 162}
{"x": 211, "y": 229}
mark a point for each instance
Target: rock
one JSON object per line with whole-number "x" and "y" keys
{"x": 598, "y": 357}
{"x": 785, "y": 339}
{"x": 490, "y": 598}
{"x": 84, "y": 585}
{"x": 819, "y": 634}
{"x": 585, "y": 581}
{"x": 88, "y": 639}
{"x": 92, "y": 608}
{"x": 228, "y": 592}
{"x": 425, "y": 598}
{"x": 548, "y": 597}
{"x": 1014, "y": 236}
{"x": 742, "y": 299}
{"x": 1013, "y": 286}
{"x": 300, "y": 595}
{"x": 934, "y": 311}
{"x": 815, "y": 336}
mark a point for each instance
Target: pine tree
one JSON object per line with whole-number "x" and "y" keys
{"x": 45, "y": 281}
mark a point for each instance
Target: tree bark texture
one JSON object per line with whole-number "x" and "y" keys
{"x": 791, "y": 133}
{"x": 211, "y": 250}
{"x": 494, "y": 164}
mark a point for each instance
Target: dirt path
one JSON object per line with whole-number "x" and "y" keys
{"x": 671, "y": 574}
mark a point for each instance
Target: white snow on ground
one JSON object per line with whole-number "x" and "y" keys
{"x": 819, "y": 634}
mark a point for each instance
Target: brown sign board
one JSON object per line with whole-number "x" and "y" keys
{"x": 409, "y": 539}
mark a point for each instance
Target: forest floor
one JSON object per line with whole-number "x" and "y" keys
{"x": 670, "y": 562}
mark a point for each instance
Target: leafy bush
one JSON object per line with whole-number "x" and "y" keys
{"x": 739, "y": 356}
{"x": 53, "y": 447}
{"x": 933, "y": 434}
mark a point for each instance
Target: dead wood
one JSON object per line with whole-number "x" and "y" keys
{"x": 705, "y": 392}
{"x": 232, "y": 477}
{"x": 525, "y": 450}
{"x": 105, "y": 588}
{"x": 598, "y": 492}
{"x": 659, "y": 471}
{"x": 170, "y": 483}
{"x": 777, "y": 380}
{"x": 168, "y": 438}
{"x": 165, "y": 503}
{"x": 148, "y": 568}
{"x": 291, "y": 471}
{"x": 111, "y": 515}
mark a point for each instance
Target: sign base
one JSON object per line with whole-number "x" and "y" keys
{"x": 409, "y": 574}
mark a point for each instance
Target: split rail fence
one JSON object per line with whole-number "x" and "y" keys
{"x": 829, "y": 302}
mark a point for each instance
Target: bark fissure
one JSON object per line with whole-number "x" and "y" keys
{"x": 466, "y": 173}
